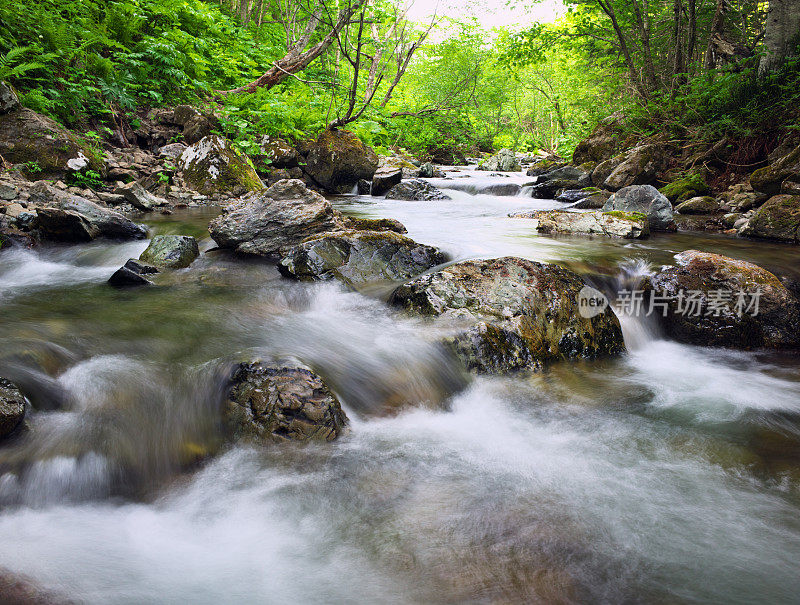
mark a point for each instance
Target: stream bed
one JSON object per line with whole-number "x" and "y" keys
{"x": 669, "y": 475}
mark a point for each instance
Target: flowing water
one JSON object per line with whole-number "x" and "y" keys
{"x": 668, "y": 475}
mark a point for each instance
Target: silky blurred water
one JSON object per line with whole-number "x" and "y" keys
{"x": 667, "y": 475}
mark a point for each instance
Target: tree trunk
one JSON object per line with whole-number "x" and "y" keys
{"x": 782, "y": 34}
{"x": 717, "y": 26}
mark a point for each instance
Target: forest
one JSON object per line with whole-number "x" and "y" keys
{"x": 399, "y": 301}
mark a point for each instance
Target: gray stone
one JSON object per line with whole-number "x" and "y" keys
{"x": 171, "y": 251}
{"x": 415, "y": 190}
{"x": 644, "y": 199}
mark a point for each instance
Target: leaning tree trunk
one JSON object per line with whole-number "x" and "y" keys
{"x": 782, "y": 34}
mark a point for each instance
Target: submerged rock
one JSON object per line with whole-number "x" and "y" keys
{"x": 523, "y": 313}
{"x": 132, "y": 274}
{"x": 171, "y": 251}
{"x": 213, "y": 166}
{"x": 646, "y": 200}
{"x": 279, "y": 402}
{"x": 283, "y": 215}
{"x": 12, "y": 408}
{"x": 553, "y": 183}
{"x": 338, "y": 159}
{"x": 415, "y": 190}
{"x": 709, "y": 301}
{"x": 360, "y": 257}
{"x": 610, "y": 224}
{"x": 778, "y": 219}
{"x": 504, "y": 160}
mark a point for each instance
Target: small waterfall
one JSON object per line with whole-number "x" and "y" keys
{"x": 637, "y": 327}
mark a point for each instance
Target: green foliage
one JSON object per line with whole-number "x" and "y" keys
{"x": 89, "y": 179}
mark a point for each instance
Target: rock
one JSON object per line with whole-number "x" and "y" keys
{"x": 770, "y": 178}
{"x": 73, "y": 218}
{"x": 172, "y": 151}
{"x": 610, "y": 224}
{"x": 523, "y": 313}
{"x": 279, "y": 402}
{"x": 746, "y": 200}
{"x": 364, "y": 187}
{"x": 552, "y": 183}
{"x": 429, "y": 171}
{"x": 214, "y": 166}
{"x": 8, "y": 98}
{"x": 545, "y": 165}
{"x": 710, "y": 312}
{"x": 385, "y": 178}
{"x": 604, "y": 142}
{"x": 132, "y": 274}
{"x": 138, "y": 197}
{"x": 171, "y": 251}
{"x": 501, "y": 189}
{"x": 729, "y": 220}
{"x": 778, "y": 218}
{"x": 570, "y": 196}
{"x": 338, "y": 160}
{"x": 594, "y": 202}
{"x": 283, "y": 215}
{"x": 279, "y": 153}
{"x": 196, "y": 129}
{"x": 31, "y": 139}
{"x": 646, "y": 200}
{"x": 13, "y": 210}
{"x": 699, "y": 205}
{"x": 183, "y": 113}
{"x": 692, "y": 185}
{"x": 8, "y": 192}
{"x": 639, "y": 166}
{"x": 504, "y": 161}
{"x": 374, "y": 224}
{"x": 415, "y": 190}
{"x": 12, "y": 408}
{"x": 360, "y": 257}
{"x": 790, "y": 187}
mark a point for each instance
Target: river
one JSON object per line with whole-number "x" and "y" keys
{"x": 668, "y": 475}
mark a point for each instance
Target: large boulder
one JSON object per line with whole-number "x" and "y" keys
{"x": 690, "y": 186}
{"x": 171, "y": 251}
{"x": 646, "y": 200}
{"x": 415, "y": 190}
{"x": 770, "y": 178}
{"x": 639, "y": 166}
{"x": 283, "y": 215}
{"x": 213, "y": 166}
{"x": 40, "y": 146}
{"x": 523, "y": 314}
{"x": 504, "y": 160}
{"x": 604, "y": 142}
{"x": 778, "y": 218}
{"x": 610, "y": 224}
{"x": 72, "y": 218}
{"x": 271, "y": 402}
{"x": 12, "y": 408}
{"x": 713, "y": 300}
{"x": 553, "y": 183}
{"x": 545, "y": 165}
{"x": 360, "y": 257}
{"x": 338, "y": 160}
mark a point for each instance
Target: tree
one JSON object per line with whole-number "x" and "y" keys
{"x": 782, "y": 34}
{"x": 301, "y": 22}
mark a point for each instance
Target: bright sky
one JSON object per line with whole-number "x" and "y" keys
{"x": 490, "y": 13}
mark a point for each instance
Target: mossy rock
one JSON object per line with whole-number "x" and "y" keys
{"x": 692, "y": 185}
{"x": 778, "y": 219}
{"x": 213, "y": 166}
{"x": 698, "y": 205}
{"x": 770, "y": 178}
{"x": 339, "y": 159}
{"x": 634, "y": 217}
{"x": 171, "y": 251}
{"x": 42, "y": 147}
